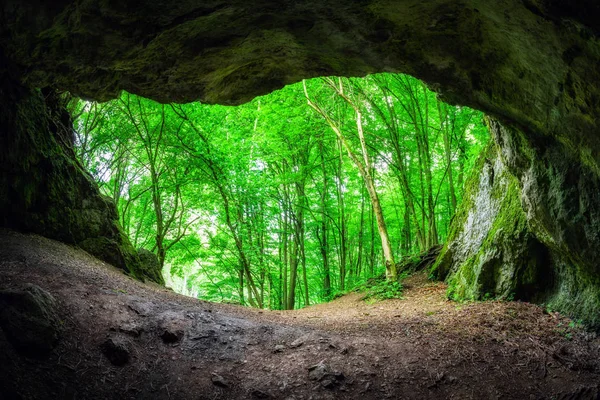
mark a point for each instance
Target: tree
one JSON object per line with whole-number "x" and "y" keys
{"x": 262, "y": 205}
{"x": 364, "y": 166}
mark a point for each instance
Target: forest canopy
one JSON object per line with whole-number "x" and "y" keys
{"x": 291, "y": 198}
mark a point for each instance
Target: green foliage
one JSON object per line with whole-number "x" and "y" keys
{"x": 383, "y": 290}
{"x": 239, "y": 198}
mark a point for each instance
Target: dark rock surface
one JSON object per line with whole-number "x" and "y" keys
{"x": 29, "y": 320}
{"x": 44, "y": 189}
{"x": 116, "y": 350}
{"x": 523, "y": 61}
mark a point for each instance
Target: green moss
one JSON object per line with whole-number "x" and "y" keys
{"x": 576, "y": 293}
{"x": 507, "y": 261}
{"x": 519, "y": 259}
{"x": 46, "y": 190}
{"x": 442, "y": 266}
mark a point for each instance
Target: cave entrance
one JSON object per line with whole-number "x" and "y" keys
{"x": 531, "y": 65}
{"x": 274, "y": 203}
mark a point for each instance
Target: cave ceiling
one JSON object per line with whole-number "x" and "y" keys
{"x": 533, "y": 63}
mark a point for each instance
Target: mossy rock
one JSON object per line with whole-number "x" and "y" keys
{"x": 150, "y": 266}
{"x": 491, "y": 253}
{"x": 45, "y": 189}
{"x": 524, "y": 229}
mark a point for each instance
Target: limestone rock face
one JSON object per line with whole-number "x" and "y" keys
{"x": 491, "y": 252}
{"x": 527, "y": 229}
{"x": 44, "y": 189}
{"x": 560, "y": 194}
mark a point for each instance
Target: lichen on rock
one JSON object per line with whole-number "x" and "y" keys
{"x": 491, "y": 252}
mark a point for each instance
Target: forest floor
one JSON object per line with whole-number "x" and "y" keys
{"x": 419, "y": 347}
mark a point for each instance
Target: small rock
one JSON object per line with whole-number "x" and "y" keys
{"x": 297, "y": 343}
{"x": 29, "y": 319}
{"x": 171, "y": 335}
{"x": 318, "y": 372}
{"x": 279, "y": 348}
{"x": 339, "y": 375}
{"x": 328, "y": 383}
{"x": 131, "y": 328}
{"x": 219, "y": 381}
{"x": 330, "y": 379}
{"x": 115, "y": 349}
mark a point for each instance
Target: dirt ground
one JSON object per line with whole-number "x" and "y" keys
{"x": 419, "y": 347}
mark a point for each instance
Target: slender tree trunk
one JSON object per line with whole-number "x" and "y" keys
{"x": 285, "y": 255}
{"x": 446, "y": 134}
{"x": 341, "y": 220}
{"x": 365, "y": 170}
{"x": 372, "y": 252}
{"x": 323, "y": 238}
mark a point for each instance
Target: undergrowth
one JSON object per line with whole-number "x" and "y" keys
{"x": 378, "y": 289}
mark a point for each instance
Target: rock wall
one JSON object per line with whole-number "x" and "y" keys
{"x": 560, "y": 194}
{"x": 44, "y": 189}
{"x": 524, "y": 230}
{"x": 491, "y": 252}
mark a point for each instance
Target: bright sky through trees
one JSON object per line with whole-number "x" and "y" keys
{"x": 281, "y": 202}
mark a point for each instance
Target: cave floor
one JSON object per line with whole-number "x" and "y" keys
{"x": 422, "y": 346}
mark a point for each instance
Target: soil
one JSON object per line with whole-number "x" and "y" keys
{"x": 168, "y": 346}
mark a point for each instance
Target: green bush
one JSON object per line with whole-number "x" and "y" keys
{"x": 384, "y": 290}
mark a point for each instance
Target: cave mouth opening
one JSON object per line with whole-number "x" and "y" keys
{"x": 269, "y": 203}
{"x": 531, "y": 66}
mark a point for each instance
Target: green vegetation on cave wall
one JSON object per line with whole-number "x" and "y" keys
{"x": 494, "y": 251}
{"x": 45, "y": 189}
{"x": 559, "y": 192}
{"x": 490, "y": 252}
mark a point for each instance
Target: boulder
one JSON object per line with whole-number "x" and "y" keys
{"x": 30, "y": 320}
{"x": 521, "y": 233}
{"x": 150, "y": 266}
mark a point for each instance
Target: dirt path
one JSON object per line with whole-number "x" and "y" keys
{"x": 420, "y": 347}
